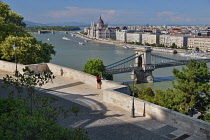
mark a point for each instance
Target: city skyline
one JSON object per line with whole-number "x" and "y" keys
{"x": 153, "y": 12}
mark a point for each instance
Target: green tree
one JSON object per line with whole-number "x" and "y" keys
{"x": 12, "y": 31}
{"x": 96, "y": 67}
{"x": 172, "y": 99}
{"x": 30, "y": 51}
{"x": 147, "y": 94}
{"x": 173, "y": 45}
{"x": 193, "y": 81}
{"x": 31, "y": 115}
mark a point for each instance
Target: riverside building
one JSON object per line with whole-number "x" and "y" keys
{"x": 100, "y": 30}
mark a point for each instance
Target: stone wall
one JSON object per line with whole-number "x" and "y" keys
{"x": 81, "y": 76}
{"x": 9, "y": 66}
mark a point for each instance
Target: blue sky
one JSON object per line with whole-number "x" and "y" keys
{"x": 153, "y": 12}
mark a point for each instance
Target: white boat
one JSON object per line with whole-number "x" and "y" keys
{"x": 165, "y": 50}
{"x": 194, "y": 55}
{"x": 66, "y": 38}
{"x": 48, "y": 39}
{"x": 80, "y": 43}
{"x": 85, "y": 40}
{"x": 125, "y": 47}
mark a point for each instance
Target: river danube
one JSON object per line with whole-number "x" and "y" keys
{"x": 72, "y": 55}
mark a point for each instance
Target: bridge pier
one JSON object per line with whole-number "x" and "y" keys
{"x": 144, "y": 60}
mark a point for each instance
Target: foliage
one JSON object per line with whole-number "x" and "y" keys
{"x": 207, "y": 117}
{"x": 172, "y": 99}
{"x": 56, "y": 28}
{"x": 17, "y": 123}
{"x": 84, "y": 33}
{"x": 31, "y": 115}
{"x": 185, "y": 48}
{"x": 96, "y": 67}
{"x": 173, "y": 45}
{"x": 147, "y": 94}
{"x": 193, "y": 81}
{"x": 113, "y": 38}
{"x": 130, "y": 42}
{"x": 29, "y": 51}
{"x": 12, "y": 32}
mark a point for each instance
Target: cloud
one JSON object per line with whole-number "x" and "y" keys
{"x": 173, "y": 17}
{"x": 81, "y": 14}
{"x": 122, "y": 16}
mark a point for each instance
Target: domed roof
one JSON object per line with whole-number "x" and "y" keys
{"x": 100, "y": 21}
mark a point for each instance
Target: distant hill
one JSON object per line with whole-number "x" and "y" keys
{"x": 29, "y": 23}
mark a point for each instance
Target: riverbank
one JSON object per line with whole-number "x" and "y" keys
{"x": 115, "y": 42}
{"x": 105, "y": 41}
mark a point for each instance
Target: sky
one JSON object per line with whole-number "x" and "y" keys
{"x": 122, "y": 12}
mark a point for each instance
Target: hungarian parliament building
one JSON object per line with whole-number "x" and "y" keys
{"x": 100, "y": 30}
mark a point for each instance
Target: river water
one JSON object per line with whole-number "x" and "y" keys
{"x": 70, "y": 54}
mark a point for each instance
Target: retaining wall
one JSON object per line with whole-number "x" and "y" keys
{"x": 117, "y": 95}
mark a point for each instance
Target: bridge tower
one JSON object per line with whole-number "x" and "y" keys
{"x": 144, "y": 61}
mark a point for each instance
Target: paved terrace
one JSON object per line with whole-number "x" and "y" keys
{"x": 104, "y": 121}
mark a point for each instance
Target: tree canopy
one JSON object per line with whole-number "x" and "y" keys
{"x": 96, "y": 67}
{"x": 193, "y": 81}
{"x": 12, "y": 32}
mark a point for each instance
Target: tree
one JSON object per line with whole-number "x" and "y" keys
{"x": 96, "y": 67}
{"x": 12, "y": 31}
{"x": 173, "y": 45}
{"x": 30, "y": 51}
{"x": 193, "y": 81}
{"x": 31, "y": 115}
{"x": 147, "y": 94}
{"x": 172, "y": 99}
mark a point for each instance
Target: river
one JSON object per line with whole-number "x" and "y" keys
{"x": 70, "y": 54}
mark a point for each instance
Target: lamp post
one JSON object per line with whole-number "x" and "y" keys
{"x": 15, "y": 46}
{"x": 133, "y": 77}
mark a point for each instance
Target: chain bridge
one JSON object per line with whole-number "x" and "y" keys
{"x": 144, "y": 62}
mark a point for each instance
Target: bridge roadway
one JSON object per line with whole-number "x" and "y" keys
{"x": 104, "y": 121}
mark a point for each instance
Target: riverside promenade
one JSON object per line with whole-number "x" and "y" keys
{"x": 104, "y": 121}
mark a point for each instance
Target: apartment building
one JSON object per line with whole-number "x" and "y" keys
{"x": 168, "y": 40}
{"x": 121, "y": 35}
{"x": 150, "y": 38}
{"x": 134, "y": 37}
{"x": 202, "y": 43}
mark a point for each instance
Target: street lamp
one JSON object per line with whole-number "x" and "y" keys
{"x": 133, "y": 77}
{"x": 15, "y": 46}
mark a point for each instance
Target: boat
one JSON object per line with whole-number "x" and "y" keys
{"x": 80, "y": 43}
{"x": 48, "y": 39}
{"x": 164, "y": 50}
{"x": 195, "y": 55}
{"x": 66, "y": 38}
{"x": 125, "y": 47}
{"x": 85, "y": 40}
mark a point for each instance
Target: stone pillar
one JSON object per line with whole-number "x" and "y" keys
{"x": 143, "y": 61}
